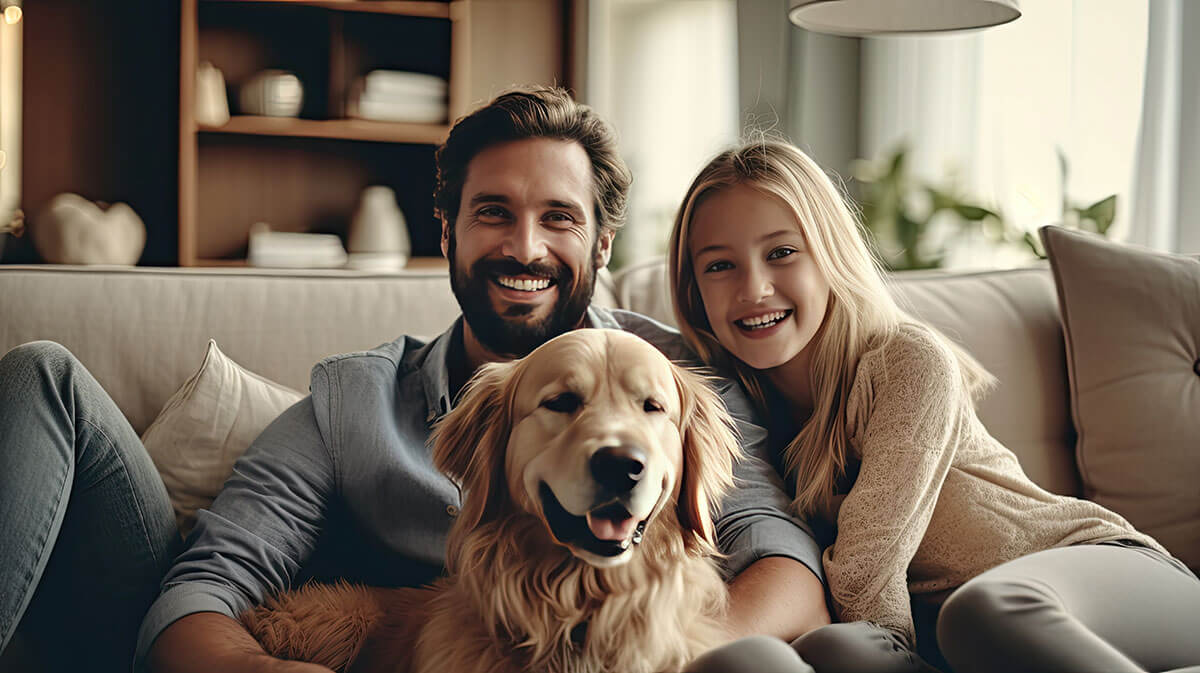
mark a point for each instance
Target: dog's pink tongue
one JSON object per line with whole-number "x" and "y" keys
{"x": 608, "y": 529}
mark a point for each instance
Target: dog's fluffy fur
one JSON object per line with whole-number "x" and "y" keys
{"x": 515, "y": 597}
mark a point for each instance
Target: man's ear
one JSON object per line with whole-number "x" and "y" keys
{"x": 604, "y": 247}
{"x": 445, "y": 237}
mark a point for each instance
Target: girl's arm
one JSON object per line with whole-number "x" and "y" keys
{"x": 909, "y": 419}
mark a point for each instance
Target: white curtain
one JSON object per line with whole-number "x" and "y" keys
{"x": 988, "y": 112}
{"x": 1166, "y": 195}
{"x": 664, "y": 73}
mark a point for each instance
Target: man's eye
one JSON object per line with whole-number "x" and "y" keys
{"x": 559, "y": 217}
{"x": 564, "y": 403}
{"x": 651, "y": 406}
{"x": 490, "y": 212}
{"x": 780, "y": 253}
{"x": 717, "y": 266}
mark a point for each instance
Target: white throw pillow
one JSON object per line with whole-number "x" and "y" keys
{"x": 206, "y": 425}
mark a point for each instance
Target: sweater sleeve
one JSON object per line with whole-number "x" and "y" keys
{"x": 906, "y": 424}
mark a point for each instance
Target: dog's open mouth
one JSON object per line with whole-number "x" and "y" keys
{"x": 608, "y": 530}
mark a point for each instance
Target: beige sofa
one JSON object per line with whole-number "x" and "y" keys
{"x": 143, "y": 332}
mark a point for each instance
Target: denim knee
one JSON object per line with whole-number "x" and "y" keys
{"x": 21, "y": 361}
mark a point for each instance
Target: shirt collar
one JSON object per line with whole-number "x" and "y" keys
{"x": 435, "y": 368}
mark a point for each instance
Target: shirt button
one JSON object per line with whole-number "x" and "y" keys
{"x": 451, "y": 510}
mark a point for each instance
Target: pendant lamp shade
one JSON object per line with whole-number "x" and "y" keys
{"x": 884, "y": 17}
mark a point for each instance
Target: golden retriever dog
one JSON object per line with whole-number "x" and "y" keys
{"x": 589, "y": 471}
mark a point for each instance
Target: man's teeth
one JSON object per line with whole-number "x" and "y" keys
{"x": 762, "y": 321}
{"x": 524, "y": 284}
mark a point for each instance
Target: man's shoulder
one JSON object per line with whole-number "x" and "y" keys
{"x": 392, "y": 359}
{"x": 662, "y": 336}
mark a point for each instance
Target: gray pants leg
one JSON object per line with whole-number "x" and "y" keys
{"x": 1095, "y": 608}
{"x": 858, "y": 647}
{"x": 86, "y": 529}
{"x": 756, "y": 654}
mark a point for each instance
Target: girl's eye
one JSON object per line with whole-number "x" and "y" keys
{"x": 780, "y": 253}
{"x": 717, "y": 266}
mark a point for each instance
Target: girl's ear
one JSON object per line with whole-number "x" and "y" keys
{"x": 710, "y": 447}
{"x": 469, "y": 442}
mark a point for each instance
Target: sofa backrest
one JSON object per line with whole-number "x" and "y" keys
{"x": 1008, "y": 319}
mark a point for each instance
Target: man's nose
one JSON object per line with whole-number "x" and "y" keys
{"x": 525, "y": 241}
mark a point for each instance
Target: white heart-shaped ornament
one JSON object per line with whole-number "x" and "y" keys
{"x": 74, "y": 230}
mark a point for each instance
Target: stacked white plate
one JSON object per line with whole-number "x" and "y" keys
{"x": 397, "y": 96}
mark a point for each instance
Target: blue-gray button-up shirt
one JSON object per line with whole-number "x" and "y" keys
{"x": 342, "y": 485}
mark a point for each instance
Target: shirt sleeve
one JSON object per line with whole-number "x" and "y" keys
{"x": 913, "y": 418}
{"x": 260, "y": 529}
{"x": 755, "y": 520}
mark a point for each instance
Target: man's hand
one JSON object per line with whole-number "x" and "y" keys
{"x": 776, "y": 596}
{"x": 209, "y": 641}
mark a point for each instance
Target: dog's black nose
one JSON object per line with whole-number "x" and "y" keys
{"x": 618, "y": 468}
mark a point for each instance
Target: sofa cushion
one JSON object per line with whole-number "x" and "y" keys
{"x": 1131, "y": 318}
{"x": 207, "y": 425}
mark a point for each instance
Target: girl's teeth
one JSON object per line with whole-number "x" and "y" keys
{"x": 524, "y": 284}
{"x": 763, "y": 320}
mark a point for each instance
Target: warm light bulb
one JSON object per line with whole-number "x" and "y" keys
{"x": 12, "y": 14}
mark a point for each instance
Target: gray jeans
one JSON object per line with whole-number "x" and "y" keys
{"x": 1106, "y": 608}
{"x": 87, "y": 530}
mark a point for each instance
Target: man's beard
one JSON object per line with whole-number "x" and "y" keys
{"x": 508, "y": 334}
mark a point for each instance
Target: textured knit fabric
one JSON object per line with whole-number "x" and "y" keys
{"x": 937, "y": 500}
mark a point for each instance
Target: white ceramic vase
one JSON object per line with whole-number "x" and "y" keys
{"x": 378, "y": 239}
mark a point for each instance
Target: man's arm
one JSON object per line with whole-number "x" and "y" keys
{"x": 778, "y": 583}
{"x": 208, "y": 641}
{"x": 250, "y": 543}
{"x": 756, "y": 606}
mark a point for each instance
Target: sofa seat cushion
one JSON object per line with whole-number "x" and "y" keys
{"x": 1131, "y": 318}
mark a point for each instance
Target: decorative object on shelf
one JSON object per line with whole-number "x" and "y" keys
{"x": 212, "y": 104}
{"x": 862, "y": 18}
{"x": 397, "y": 96}
{"x": 294, "y": 251}
{"x": 378, "y": 239}
{"x": 74, "y": 230}
{"x": 272, "y": 93}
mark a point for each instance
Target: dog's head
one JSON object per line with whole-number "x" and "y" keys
{"x": 596, "y": 434}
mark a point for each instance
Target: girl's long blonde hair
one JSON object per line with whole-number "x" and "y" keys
{"x": 861, "y": 313}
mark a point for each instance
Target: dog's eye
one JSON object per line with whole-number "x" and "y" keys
{"x": 651, "y": 405}
{"x": 564, "y": 403}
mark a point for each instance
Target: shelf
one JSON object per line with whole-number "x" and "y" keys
{"x": 425, "y": 8}
{"x": 338, "y": 129}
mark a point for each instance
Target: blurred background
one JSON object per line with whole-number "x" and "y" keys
{"x": 954, "y": 147}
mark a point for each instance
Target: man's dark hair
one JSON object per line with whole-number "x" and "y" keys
{"x": 534, "y": 112}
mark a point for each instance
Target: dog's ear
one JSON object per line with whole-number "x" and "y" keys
{"x": 469, "y": 442}
{"x": 710, "y": 447}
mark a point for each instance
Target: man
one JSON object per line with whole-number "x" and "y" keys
{"x": 530, "y": 193}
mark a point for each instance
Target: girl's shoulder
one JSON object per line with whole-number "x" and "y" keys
{"x": 909, "y": 349}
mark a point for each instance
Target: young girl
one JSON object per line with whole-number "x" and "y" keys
{"x": 773, "y": 283}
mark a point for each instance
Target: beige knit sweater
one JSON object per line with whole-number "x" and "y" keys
{"x": 937, "y": 499}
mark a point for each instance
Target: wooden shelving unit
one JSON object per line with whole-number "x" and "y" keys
{"x": 306, "y": 173}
